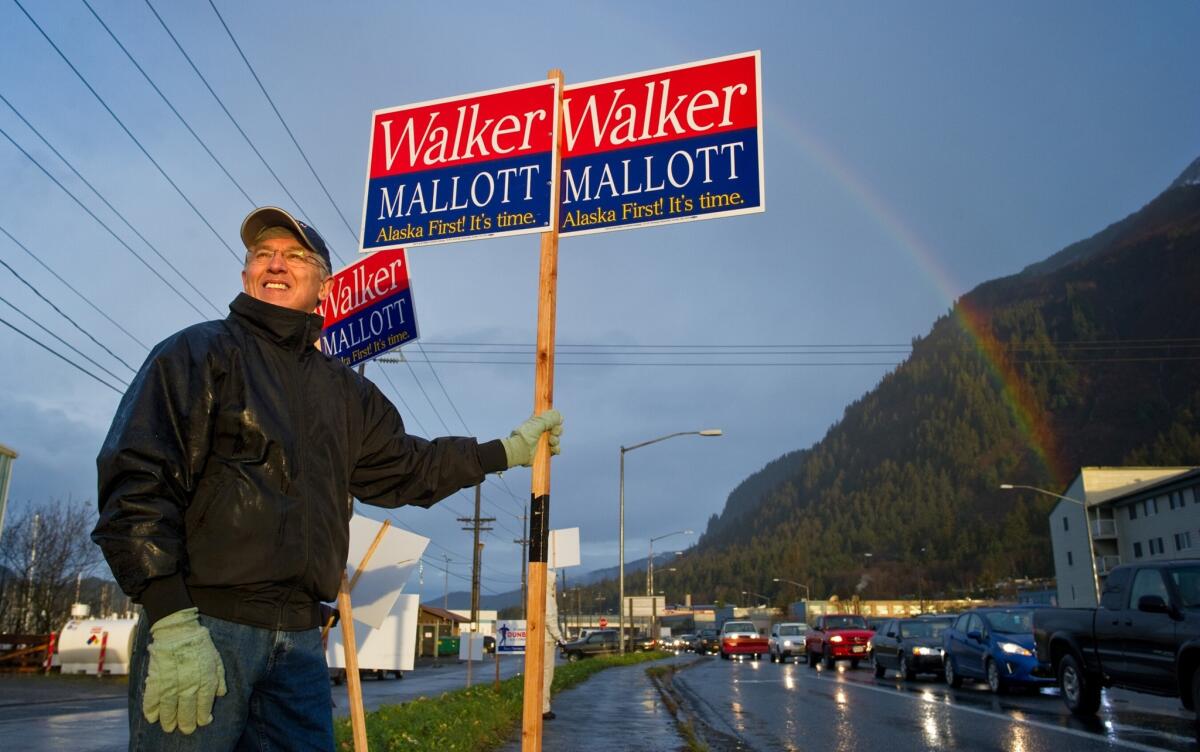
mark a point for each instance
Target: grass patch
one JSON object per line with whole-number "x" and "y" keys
{"x": 662, "y": 676}
{"x": 468, "y": 720}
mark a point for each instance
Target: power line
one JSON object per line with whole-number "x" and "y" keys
{"x": 169, "y": 104}
{"x": 129, "y": 133}
{"x": 445, "y": 427}
{"x": 529, "y": 346}
{"x": 469, "y": 431}
{"x": 311, "y": 169}
{"x": 232, "y": 119}
{"x": 60, "y": 356}
{"x": 558, "y": 362}
{"x": 73, "y": 349}
{"x": 60, "y": 312}
{"x": 403, "y": 401}
{"x": 446, "y": 393}
{"x": 116, "y": 237}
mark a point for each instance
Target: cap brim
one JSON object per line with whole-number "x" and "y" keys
{"x": 272, "y": 216}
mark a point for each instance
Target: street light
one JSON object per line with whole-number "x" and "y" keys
{"x": 766, "y": 600}
{"x": 621, "y": 575}
{"x": 1087, "y": 525}
{"x": 797, "y": 584}
{"x": 650, "y": 564}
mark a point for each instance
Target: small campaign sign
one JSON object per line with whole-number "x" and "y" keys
{"x": 668, "y": 145}
{"x": 510, "y": 636}
{"x": 369, "y": 309}
{"x": 473, "y": 166}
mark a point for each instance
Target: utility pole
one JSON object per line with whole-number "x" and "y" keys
{"x": 446, "y": 584}
{"x": 523, "y": 541}
{"x": 476, "y": 525}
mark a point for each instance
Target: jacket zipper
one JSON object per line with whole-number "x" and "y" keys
{"x": 297, "y": 415}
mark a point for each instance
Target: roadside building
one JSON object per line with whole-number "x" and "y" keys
{"x": 1132, "y": 514}
{"x": 6, "y": 461}
{"x": 434, "y": 624}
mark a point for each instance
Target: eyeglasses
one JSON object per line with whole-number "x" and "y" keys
{"x": 292, "y": 257}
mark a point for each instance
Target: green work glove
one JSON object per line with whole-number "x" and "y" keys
{"x": 522, "y": 442}
{"x": 186, "y": 673}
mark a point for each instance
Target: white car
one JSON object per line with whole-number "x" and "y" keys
{"x": 787, "y": 639}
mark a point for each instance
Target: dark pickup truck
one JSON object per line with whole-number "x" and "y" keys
{"x": 600, "y": 642}
{"x": 1145, "y": 636}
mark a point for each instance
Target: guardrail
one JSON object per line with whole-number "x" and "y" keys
{"x": 24, "y": 653}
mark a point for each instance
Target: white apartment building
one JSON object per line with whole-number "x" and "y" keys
{"x": 1134, "y": 514}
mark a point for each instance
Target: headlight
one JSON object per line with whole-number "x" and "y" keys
{"x": 925, "y": 651}
{"x": 787, "y": 643}
{"x": 836, "y": 638}
{"x": 1013, "y": 648}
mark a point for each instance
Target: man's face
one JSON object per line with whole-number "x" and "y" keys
{"x": 288, "y": 283}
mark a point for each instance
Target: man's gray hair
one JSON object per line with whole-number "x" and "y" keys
{"x": 277, "y": 231}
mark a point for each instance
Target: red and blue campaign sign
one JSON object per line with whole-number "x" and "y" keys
{"x": 662, "y": 146}
{"x": 369, "y": 309}
{"x": 474, "y": 166}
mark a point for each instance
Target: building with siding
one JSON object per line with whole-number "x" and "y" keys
{"x": 1134, "y": 514}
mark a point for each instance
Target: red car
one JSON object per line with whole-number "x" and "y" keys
{"x": 742, "y": 638}
{"x": 837, "y": 637}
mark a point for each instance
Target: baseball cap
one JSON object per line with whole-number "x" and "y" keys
{"x": 272, "y": 216}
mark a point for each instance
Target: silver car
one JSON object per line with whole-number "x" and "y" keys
{"x": 787, "y": 639}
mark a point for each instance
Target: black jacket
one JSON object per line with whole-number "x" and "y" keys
{"x": 226, "y": 475}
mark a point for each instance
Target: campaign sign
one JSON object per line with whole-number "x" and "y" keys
{"x": 663, "y": 146}
{"x": 511, "y": 636}
{"x": 474, "y": 166}
{"x": 369, "y": 309}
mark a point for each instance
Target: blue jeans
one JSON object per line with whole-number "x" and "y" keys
{"x": 278, "y": 693}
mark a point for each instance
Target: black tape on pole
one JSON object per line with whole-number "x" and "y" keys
{"x": 539, "y": 528}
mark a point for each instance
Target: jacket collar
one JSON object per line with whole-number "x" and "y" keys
{"x": 291, "y": 330}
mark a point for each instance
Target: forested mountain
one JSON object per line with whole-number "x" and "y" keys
{"x": 1091, "y": 357}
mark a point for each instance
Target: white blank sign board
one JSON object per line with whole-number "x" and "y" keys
{"x": 387, "y": 570}
{"x": 564, "y": 548}
{"x": 391, "y": 647}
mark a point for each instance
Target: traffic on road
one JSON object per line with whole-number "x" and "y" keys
{"x": 765, "y": 705}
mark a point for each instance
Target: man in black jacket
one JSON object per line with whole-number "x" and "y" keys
{"x": 225, "y": 484}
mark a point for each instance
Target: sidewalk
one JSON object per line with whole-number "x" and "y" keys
{"x": 617, "y": 710}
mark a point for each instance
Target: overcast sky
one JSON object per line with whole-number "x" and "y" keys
{"x": 912, "y": 151}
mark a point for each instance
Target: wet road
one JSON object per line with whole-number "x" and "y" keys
{"x": 759, "y": 705}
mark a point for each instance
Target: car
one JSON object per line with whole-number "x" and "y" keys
{"x": 836, "y": 637}
{"x": 742, "y": 638}
{"x": 996, "y": 645}
{"x": 601, "y": 642}
{"x": 910, "y": 646}
{"x": 642, "y": 642}
{"x": 786, "y": 640}
{"x": 682, "y": 643}
{"x": 708, "y": 641}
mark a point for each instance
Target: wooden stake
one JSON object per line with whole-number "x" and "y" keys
{"x": 358, "y": 572}
{"x": 358, "y": 719}
{"x": 543, "y": 399}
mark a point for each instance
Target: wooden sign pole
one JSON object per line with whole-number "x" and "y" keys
{"x": 358, "y": 718}
{"x": 543, "y": 399}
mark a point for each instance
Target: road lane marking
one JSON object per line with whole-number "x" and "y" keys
{"x": 992, "y": 714}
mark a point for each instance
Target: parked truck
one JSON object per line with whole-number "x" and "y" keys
{"x": 1145, "y": 636}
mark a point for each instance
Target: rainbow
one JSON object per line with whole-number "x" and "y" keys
{"x": 1016, "y": 393}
